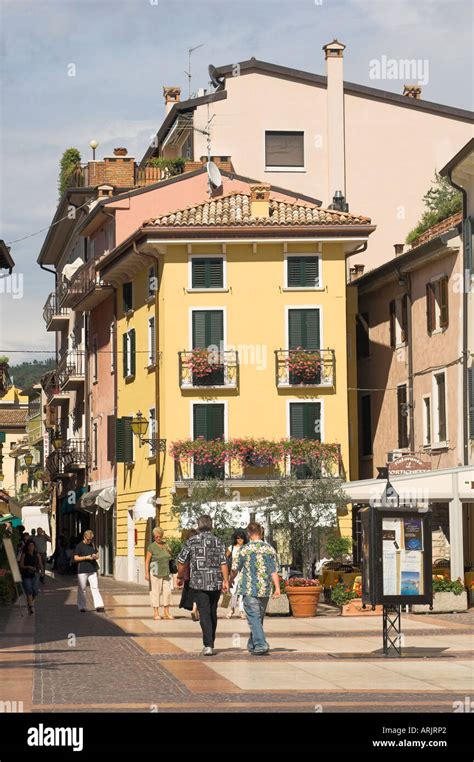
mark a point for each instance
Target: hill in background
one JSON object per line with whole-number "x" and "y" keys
{"x": 26, "y": 374}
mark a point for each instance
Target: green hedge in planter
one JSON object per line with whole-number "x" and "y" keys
{"x": 443, "y": 585}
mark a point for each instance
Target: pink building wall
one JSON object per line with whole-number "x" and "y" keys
{"x": 386, "y": 367}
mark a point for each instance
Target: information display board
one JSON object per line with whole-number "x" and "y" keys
{"x": 396, "y": 556}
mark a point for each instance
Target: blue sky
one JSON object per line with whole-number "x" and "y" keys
{"x": 124, "y": 52}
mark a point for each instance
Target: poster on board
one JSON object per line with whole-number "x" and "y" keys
{"x": 413, "y": 534}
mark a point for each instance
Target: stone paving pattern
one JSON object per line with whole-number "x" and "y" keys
{"x": 132, "y": 663}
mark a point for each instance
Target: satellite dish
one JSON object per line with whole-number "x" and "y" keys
{"x": 215, "y": 177}
{"x": 214, "y": 77}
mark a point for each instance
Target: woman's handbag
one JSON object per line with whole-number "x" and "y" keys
{"x": 173, "y": 567}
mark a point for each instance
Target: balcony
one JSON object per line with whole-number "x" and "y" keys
{"x": 301, "y": 368}
{"x": 67, "y": 459}
{"x": 55, "y": 315}
{"x": 204, "y": 369}
{"x": 254, "y": 463}
{"x": 51, "y": 387}
{"x": 71, "y": 370}
{"x": 85, "y": 290}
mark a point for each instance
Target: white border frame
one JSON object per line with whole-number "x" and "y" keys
{"x": 303, "y": 307}
{"x": 288, "y": 255}
{"x": 275, "y": 167}
{"x": 438, "y": 328}
{"x": 151, "y": 359}
{"x": 207, "y": 256}
{"x": 152, "y": 433}
{"x": 435, "y": 443}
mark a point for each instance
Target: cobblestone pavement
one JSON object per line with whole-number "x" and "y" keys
{"x": 64, "y": 660}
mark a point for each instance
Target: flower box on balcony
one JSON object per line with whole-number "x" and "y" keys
{"x": 304, "y": 366}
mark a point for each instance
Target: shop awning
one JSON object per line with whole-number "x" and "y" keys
{"x": 97, "y": 498}
{"x": 145, "y": 506}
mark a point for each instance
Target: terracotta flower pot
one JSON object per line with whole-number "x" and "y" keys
{"x": 303, "y": 600}
{"x": 354, "y": 608}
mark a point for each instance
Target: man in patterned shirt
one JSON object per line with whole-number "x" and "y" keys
{"x": 257, "y": 562}
{"x": 209, "y": 575}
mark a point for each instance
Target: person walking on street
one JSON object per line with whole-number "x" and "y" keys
{"x": 41, "y": 542}
{"x": 239, "y": 539}
{"x": 86, "y": 556}
{"x": 187, "y": 601}
{"x": 209, "y": 576}
{"x": 30, "y": 568}
{"x": 157, "y": 572}
{"x": 257, "y": 565}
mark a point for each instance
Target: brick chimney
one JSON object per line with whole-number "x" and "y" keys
{"x": 117, "y": 170}
{"x": 334, "y": 52}
{"x": 398, "y": 248}
{"x": 412, "y": 91}
{"x": 171, "y": 95}
{"x": 260, "y": 200}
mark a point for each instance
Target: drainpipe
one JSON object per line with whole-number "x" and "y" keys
{"x": 156, "y": 261}
{"x": 466, "y": 267}
{"x": 406, "y": 280}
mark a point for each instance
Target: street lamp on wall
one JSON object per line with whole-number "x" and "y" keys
{"x": 140, "y": 427}
{"x": 28, "y": 458}
{"x": 58, "y": 440}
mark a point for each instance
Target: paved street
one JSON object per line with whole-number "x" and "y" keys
{"x": 131, "y": 662}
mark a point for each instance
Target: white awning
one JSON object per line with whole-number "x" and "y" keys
{"x": 105, "y": 498}
{"x": 145, "y": 506}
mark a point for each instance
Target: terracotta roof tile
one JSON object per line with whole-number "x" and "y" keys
{"x": 235, "y": 209}
{"x": 13, "y": 417}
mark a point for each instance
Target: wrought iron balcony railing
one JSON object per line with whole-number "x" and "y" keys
{"x": 70, "y": 457}
{"x": 202, "y": 368}
{"x": 302, "y": 367}
{"x": 255, "y": 472}
{"x": 71, "y": 370}
{"x": 55, "y": 315}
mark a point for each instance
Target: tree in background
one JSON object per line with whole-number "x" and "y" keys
{"x": 441, "y": 201}
{"x": 208, "y": 497}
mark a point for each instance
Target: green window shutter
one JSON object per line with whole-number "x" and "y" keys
{"x": 198, "y": 273}
{"x": 208, "y": 328}
{"x": 119, "y": 441}
{"x": 199, "y": 421}
{"x": 208, "y": 421}
{"x": 111, "y": 437}
{"x": 216, "y": 272}
{"x": 303, "y": 272}
{"x": 132, "y": 352}
{"x": 470, "y": 380}
{"x": 304, "y": 329}
{"x": 127, "y": 439}
{"x": 208, "y": 272}
{"x": 127, "y": 293}
{"x": 124, "y": 355}
{"x": 392, "y": 317}
{"x": 305, "y": 420}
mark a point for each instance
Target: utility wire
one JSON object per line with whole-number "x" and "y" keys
{"x": 48, "y": 227}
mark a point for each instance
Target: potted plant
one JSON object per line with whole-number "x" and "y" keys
{"x": 303, "y": 595}
{"x": 304, "y": 366}
{"x": 349, "y": 600}
{"x": 448, "y": 596}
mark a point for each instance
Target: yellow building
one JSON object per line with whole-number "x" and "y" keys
{"x": 259, "y": 279}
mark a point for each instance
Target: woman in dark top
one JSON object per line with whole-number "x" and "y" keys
{"x": 30, "y": 566}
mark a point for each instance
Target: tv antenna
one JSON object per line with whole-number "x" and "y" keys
{"x": 188, "y": 73}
